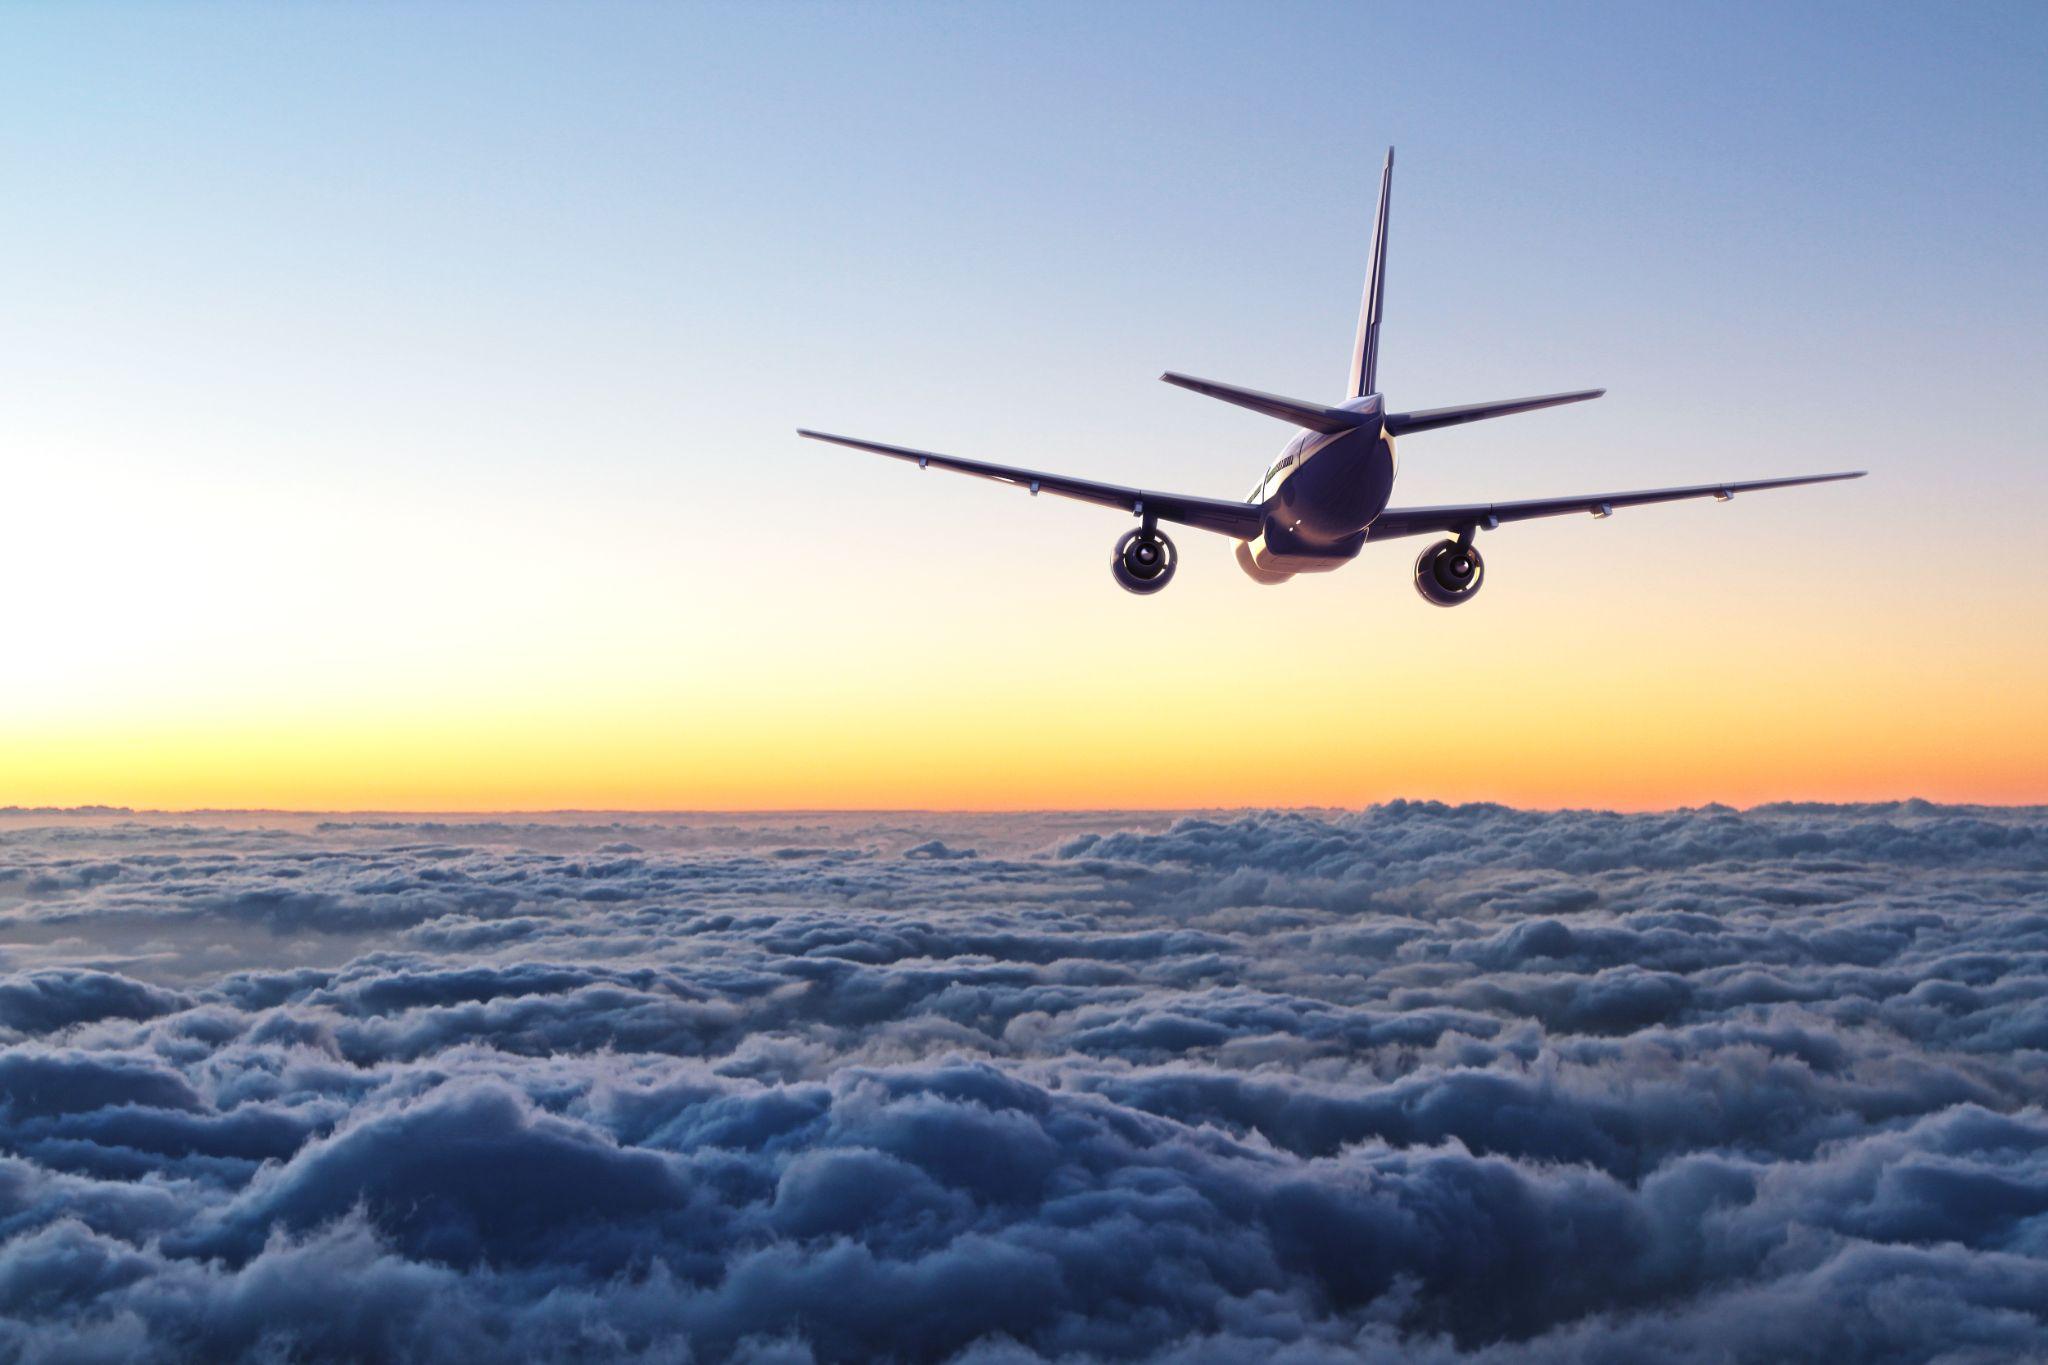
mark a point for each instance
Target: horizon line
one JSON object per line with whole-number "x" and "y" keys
{"x": 91, "y": 809}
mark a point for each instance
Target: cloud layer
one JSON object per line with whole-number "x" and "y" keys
{"x": 1418, "y": 1083}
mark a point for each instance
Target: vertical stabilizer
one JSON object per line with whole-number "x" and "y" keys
{"x": 1365, "y": 352}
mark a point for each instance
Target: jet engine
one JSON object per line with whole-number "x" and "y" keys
{"x": 1145, "y": 561}
{"x": 1448, "y": 573}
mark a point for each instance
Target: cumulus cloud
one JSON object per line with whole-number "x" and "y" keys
{"x": 1415, "y": 1083}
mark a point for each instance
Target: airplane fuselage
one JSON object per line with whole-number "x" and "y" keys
{"x": 1320, "y": 497}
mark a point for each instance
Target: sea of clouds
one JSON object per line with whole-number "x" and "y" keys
{"x": 1421, "y": 1083}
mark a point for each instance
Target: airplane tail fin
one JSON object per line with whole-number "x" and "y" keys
{"x": 1365, "y": 351}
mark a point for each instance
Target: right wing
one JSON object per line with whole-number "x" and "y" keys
{"x": 1416, "y": 521}
{"x": 1242, "y": 520}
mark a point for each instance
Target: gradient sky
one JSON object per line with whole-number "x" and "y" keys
{"x": 398, "y": 401}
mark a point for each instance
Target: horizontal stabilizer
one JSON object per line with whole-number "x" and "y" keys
{"x": 1399, "y": 423}
{"x": 1314, "y": 416}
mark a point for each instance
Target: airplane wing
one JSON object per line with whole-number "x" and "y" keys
{"x": 1239, "y": 519}
{"x": 1416, "y": 521}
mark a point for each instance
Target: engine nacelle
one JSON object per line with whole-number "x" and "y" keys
{"x": 1145, "y": 561}
{"x": 1448, "y": 573}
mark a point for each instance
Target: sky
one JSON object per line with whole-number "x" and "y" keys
{"x": 400, "y": 402}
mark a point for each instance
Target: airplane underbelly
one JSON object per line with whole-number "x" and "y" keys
{"x": 1279, "y": 554}
{"x": 1248, "y": 561}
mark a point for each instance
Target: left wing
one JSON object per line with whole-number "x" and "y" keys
{"x": 1416, "y": 521}
{"x": 1242, "y": 520}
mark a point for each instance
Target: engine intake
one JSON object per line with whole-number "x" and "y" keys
{"x": 1448, "y": 573}
{"x": 1145, "y": 561}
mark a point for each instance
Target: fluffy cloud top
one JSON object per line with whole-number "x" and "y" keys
{"x": 1419, "y": 1083}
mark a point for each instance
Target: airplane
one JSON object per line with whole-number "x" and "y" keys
{"x": 1326, "y": 497}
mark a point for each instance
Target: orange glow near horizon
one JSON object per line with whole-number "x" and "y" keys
{"x": 1657, "y": 720}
